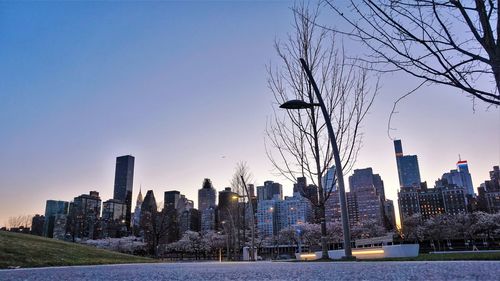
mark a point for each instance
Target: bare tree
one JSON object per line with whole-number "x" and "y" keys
{"x": 240, "y": 183}
{"x": 454, "y": 43}
{"x": 23, "y": 221}
{"x": 298, "y": 143}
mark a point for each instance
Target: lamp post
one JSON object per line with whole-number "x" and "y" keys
{"x": 300, "y": 104}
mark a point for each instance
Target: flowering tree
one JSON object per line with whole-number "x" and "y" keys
{"x": 213, "y": 242}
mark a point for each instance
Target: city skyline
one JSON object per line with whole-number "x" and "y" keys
{"x": 69, "y": 108}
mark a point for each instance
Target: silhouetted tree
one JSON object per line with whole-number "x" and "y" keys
{"x": 299, "y": 141}
{"x": 454, "y": 43}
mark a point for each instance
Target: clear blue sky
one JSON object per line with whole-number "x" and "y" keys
{"x": 179, "y": 85}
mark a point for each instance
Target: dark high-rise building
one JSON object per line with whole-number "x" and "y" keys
{"x": 408, "y": 170}
{"x": 271, "y": 190}
{"x": 251, "y": 190}
{"x": 37, "y": 225}
{"x": 124, "y": 182}
{"x": 171, "y": 200}
{"x": 362, "y": 178}
{"x": 227, "y": 207}
{"x": 149, "y": 203}
{"x": 328, "y": 179}
{"x": 84, "y": 215}
{"x": 300, "y": 186}
{"x": 137, "y": 212}
{"x": 53, "y": 208}
{"x": 207, "y": 205}
{"x": 489, "y": 193}
{"x": 367, "y": 190}
{"x": 390, "y": 214}
{"x": 206, "y": 195}
{"x": 461, "y": 177}
{"x": 113, "y": 218}
{"x": 189, "y": 220}
{"x": 408, "y": 202}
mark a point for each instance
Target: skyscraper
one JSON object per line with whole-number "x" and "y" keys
{"x": 206, "y": 195}
{"x": 408, "y": 170}
{"x": 137, "y": 211}
{"x": 227, "y": 207}
{"x": 84, "y": 215}
{"x": 113, "y": 218}
{"x": 53, "y": 208}
{"x": 171, "y": 200}
{"x": 328, "y": 179}
{"x": 124, "y": 181}
{"x": 463, "y": 169}
{"x": 270, "y": 190}
{"x": 489, "y": 192}
{"x": 207, "y": 205}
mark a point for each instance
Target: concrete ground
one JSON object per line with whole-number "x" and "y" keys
{"x": 286, "y": 271}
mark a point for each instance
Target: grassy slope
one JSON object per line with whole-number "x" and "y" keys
{"x": 33, "y": 251}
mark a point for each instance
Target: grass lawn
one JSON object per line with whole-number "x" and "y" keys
{"x": 26, "y": 250}
{"x": 447, "y": 257}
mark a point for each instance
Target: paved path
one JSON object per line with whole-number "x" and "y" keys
{"x": 287, "y": 271}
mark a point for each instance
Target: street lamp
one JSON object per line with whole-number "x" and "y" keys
{"x": 300, "y": 104}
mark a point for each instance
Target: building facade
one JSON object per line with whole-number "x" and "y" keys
{"x": 267, "y": 223}
{"x": 269, "y": 191}
{"x": 408, "y": 169}
{"x": 37, "y": 223}
{"x": 53, "y": 208}
{"x": 124, "y": 183}
{"x": 489, "y": 193}
{"x": 113, "y": 218}
{"x": 84, "y": 214}
{"x": 206, "y": 196}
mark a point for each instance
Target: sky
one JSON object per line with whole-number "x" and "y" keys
{"x": 182, "y": 86}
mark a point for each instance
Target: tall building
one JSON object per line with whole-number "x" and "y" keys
{"x": 184, "y": 204}
{"x": 367, "y": 197}
{"x": 208, "y": 219}
{"x": 137, "y": 212}
{"x": 328, "y": 180}
{"x": 444, "y": 198}
{"x": 408, "y": 170}
{"x": 362, "y": 178}
{"x": 293, "y": 210}
{"x": 189, "y": 219}
{"x": 53, "y": 208}
{"x": 269, "y": 191}
{"x": 308, "y": 191}
{"x": 461, "y": 177}
{"x": 37, "y": 225}
{"x": 149, "y": 203}
{"x": 227, "y": 209}
{"x": 113, "y": 218}
{"x": 489, "y": 192}
{"x": 390, "y": 214}
{"x": 171, "y": 200}
{"x": 124, "y": 182}
{"x": 84, "y": 215}
{"x": 267, "y": 223}
{"x": 206, "y": 195}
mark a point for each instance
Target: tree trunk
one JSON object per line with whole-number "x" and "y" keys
{"x": 324, "y": 238}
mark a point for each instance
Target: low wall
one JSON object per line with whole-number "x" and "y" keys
{"x": 391, "y": 251}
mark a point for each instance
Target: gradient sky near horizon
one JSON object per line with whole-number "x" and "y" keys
{"x": 182, "y": 87}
